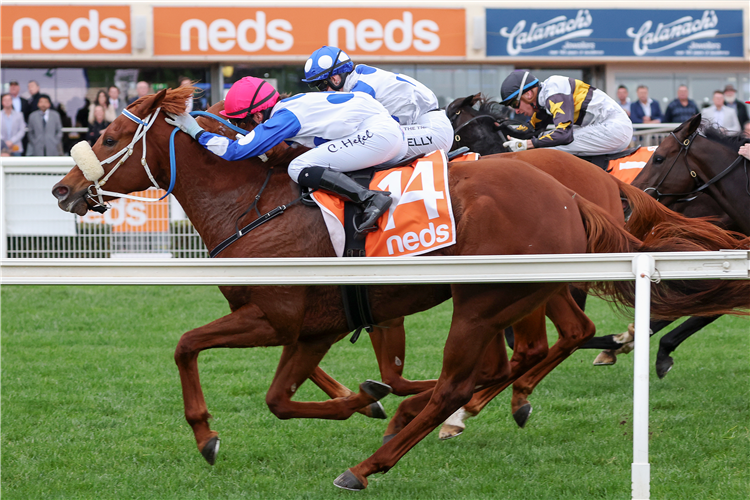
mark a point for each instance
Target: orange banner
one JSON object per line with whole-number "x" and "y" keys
{"x": 128, "y": 216}
{"x": 299, "y": 31}
{"x": 65, "y": 29}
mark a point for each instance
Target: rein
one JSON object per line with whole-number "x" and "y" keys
{"x": 685, "y": 147}
{"x": 262, "y": 219}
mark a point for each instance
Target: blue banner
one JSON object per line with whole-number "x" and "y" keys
{"x": 614, "y": 33}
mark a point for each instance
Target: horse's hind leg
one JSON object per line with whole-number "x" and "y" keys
{"x": 530, "y": 348}
{"x": 574, "y": 328}
{"x": 671, "y": 340}
{"x": 297, "y": 363}
{"x": 480, "y": 312}
{"x": 245, "y": 327}
{"x": 389, "y": 344}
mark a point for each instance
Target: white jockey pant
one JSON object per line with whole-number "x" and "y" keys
{"x": 611, "y": 136}
{"x": 378, "y": 141}
{"x": 432, "y": 131}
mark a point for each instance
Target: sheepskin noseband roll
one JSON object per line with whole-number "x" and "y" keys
{"x": 87, "y": 161}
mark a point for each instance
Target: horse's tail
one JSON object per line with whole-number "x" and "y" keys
{"x": 671, "y": 298}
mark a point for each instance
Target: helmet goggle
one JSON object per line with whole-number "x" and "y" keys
{"x": 325, "y": 82}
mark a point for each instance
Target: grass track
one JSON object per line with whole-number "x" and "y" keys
{"x": 92, "y": 408}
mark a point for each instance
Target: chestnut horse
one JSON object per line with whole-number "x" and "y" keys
{"x": 501, "y": 206}
{"x": 482, "y": 125}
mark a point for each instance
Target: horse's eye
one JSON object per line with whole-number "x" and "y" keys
{"x": 108, "y": 141}
{"x": 658, "y": 159}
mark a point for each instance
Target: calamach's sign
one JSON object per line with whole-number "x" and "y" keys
{"x": 607, "y": 33}
{"x": 65, "y": 29}
{"x": 199, "y": 31}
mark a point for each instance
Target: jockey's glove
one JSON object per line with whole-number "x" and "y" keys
{"x": 186, "y": 123}
{"x": 516, "y": 144}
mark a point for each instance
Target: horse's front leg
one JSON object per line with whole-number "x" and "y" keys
{"x": 574, "y": 328}
{"x": 245, "y": 327}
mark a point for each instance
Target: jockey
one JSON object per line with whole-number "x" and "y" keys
{"x": 587, "y": 121}
{"x": 347, "y": 132}
{"x": 411, "y": 104}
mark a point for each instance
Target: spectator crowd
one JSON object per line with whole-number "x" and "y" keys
{"x": 725, "y": 110}
{"x": 33, "y": 125}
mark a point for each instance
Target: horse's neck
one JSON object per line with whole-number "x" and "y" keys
{"x": 730, "y": 192}
{"x": 214, "y": 192}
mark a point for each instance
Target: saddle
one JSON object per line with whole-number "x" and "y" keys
{"x": 602, "y": 161}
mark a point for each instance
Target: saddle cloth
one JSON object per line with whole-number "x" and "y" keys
{"x": 420, "y": 219}
{"x": 628, "y": 167}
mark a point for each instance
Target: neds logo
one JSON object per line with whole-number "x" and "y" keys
{"x": 369, "y": 35}
{"x": 55, "y": 34}
{"x": 222, "y": 34}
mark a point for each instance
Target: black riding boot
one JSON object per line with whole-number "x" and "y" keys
{"x": 374, "y": 203}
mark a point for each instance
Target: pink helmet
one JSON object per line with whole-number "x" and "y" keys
{"x": 249, "y": 95}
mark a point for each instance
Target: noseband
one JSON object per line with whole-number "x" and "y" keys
{"x": 685, "y": 148}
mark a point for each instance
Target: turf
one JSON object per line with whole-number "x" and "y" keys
{"x": 92, "y": 408}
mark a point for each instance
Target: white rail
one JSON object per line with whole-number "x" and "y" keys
{"x": 731, "y": 264}
{"x": 643, "y": 268}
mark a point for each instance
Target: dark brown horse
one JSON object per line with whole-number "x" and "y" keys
{"x": 501, "y": 206}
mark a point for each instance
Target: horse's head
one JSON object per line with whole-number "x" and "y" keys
{"x": 483, "y": 125}
{"x": 118, "y": 158}
{"x": 668, "y": 171}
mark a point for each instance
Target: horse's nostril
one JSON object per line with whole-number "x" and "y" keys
{"x": 61, "y": 192}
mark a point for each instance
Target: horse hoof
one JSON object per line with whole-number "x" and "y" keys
{"x": 388, "y": 437}
{"x": 376, "y": 410}
{"x": 210, "y": 451}
{"x": 605, "y": 358}
{"x": 521, "y": 415}
{"x": 450, "y": 431}
{"x": 348, "y": 481}
{"x": 376, "y": 390}
{"x": 663, "y": 365}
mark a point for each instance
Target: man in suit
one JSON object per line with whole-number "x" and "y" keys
{"x": 645, "y": 110}
{"x": 13, "y": 128}
{"x": 115, "y": 100}
{"x": 730, "y": 101}
{"x": 19, "y": 103}
{"x": 720, "y": 115}
{"x": 45, "y": 130}
{"x": 34, "y": 94}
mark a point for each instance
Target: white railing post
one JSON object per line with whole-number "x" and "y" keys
{"x": 643, "y": 268}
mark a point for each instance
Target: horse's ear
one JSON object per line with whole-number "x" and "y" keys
{"x": 158, "y": 98}
{"x": 476, "y": 97}
{"x": 468, "y": 101}
{"x": 686, "y": 129}
{"x": 150, "y": 103}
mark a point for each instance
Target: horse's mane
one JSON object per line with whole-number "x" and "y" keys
{"x": 175, "y": 101}
{"x": 493, "y": 108}
{"x": 732, "y": 140}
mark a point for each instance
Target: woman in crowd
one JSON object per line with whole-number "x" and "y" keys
{"x": 96, "y": 126}
{"x": 102, "y": 99}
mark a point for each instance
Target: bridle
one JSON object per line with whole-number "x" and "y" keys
{"x": 95, "y": 191}
{"x": 685, "y": 148}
